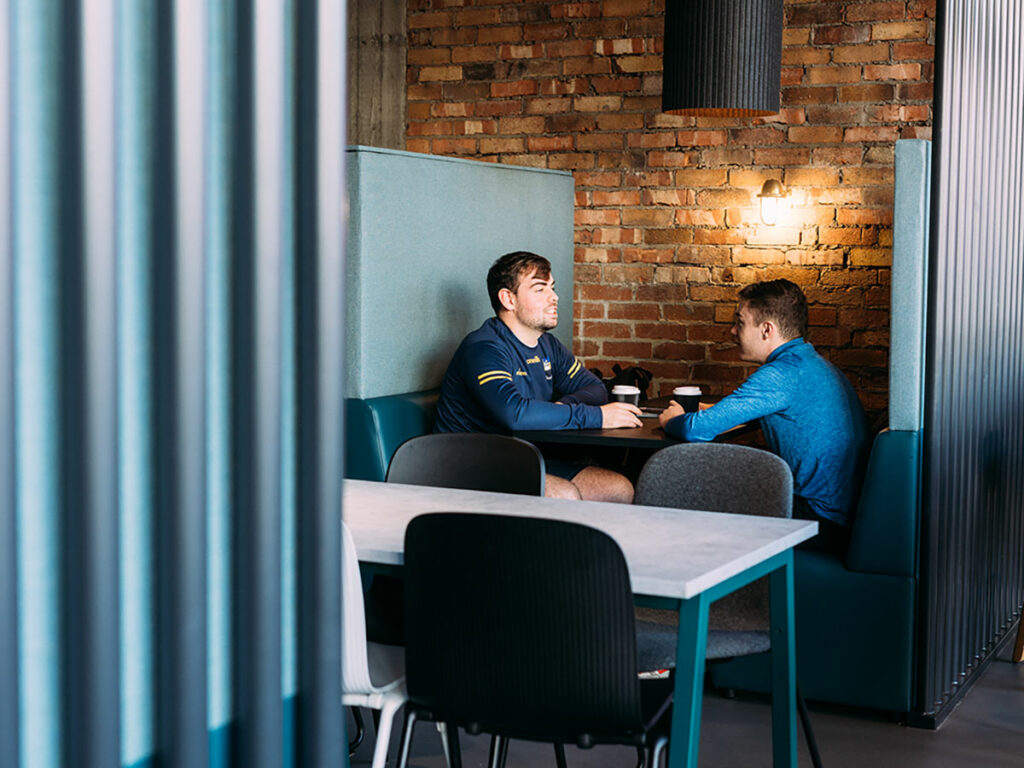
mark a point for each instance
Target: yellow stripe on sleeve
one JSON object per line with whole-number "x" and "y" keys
{"x": 575, "y": 368}
{"x": 491, "y": 373}
{"x": 497, "y": 377}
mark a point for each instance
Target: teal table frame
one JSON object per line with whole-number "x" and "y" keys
{"x": 384, "y": 547}
{"x": 691, "y": 647}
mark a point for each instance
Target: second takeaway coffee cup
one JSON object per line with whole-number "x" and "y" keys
{"x": 625, "y": 393}
{"x": 688, "y": 397}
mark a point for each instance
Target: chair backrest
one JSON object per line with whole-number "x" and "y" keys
{"x": 355, "y": 670}
{"x": 718, "y": 477}
{"x": 521, "y": 627}
{"x": 474, "y": 461}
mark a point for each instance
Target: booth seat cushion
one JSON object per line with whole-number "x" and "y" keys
{"x": 855, "y": 618}
{"x": 376, "y": 426}
{"x": 854, "y": 638}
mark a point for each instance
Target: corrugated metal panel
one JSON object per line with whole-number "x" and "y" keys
{"x": 973, "y": 513}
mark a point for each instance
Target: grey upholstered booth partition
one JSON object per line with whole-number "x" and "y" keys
{"x": 909, "y": 283}
{"x": 423, "y": 231}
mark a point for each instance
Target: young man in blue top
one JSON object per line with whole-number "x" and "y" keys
{"x": 511, "y": 374}
{"x": 809, "y": 412}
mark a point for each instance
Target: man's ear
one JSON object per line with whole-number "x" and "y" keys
{"x": 507, "y": 299}
{"x": 767, "y": 329}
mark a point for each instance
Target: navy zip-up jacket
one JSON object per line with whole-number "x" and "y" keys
{"x": 497, "y": 384}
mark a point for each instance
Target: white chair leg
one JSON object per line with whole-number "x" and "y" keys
{"x": 380, "y": 749}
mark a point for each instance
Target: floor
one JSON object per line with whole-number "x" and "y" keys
{"x": 985, "y": 731}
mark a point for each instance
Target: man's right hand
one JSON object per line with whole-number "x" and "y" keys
{"x": 616, "y": 415}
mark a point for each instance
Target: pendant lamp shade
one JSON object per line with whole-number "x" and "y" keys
{"x": 723, "y": 58}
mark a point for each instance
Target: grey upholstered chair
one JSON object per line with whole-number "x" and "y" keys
{"x": 718, "y": 477}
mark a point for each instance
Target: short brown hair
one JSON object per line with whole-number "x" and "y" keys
{"x": 779, "y": 301}
{"x": 509, "y": 270}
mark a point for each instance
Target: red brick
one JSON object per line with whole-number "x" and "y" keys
{"x": 627, "y": 8}
{"x": 867, "y": 133}
{"x": 671, "y": 350}
{"x": 876, "y": 11}
{"x": 873, "y": 92}
{"x": 453, "y": 146}
{"x": 782, "y": 156}
{"x": 608, "y": 330}
{"x": 510, "y": 34}
{"x": 592, "y": 141}
{"x": 615, "y": 84}
{"x": 908, "y": 71}
{"x": 546, "y": 31}
{"x": 842, "y": 54}
{"x": 842, "y": 33}
{"x": 833, "y": 74}
{"x": 907, "y": 51}
{"x": 814, "y": 13}
{"x": 575, "y": 10}
{"x": 635, "y": 350}
{"x": 647, "y": 217}
{"x": 818, "y": 95}
{"x": 634, "y": 311}
{"x": 815, "y": 134}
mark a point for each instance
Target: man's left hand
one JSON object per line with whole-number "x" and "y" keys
{"x": 672, "y": 410}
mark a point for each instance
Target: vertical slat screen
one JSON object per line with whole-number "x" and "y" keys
{"x": 91, "y": 642}
{"x": 8, "y": 542}
{"x": 170, "y": 405}
{"x": 318, "y": 276}
{"x": 973, "y": 510}
{"x": 255, "y": 391}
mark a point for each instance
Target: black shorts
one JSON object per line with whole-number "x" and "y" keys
{"x": 563, "y": 468}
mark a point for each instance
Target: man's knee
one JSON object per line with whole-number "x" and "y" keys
{"x": 597, "y": 484}
{"x": 559, "y": 488}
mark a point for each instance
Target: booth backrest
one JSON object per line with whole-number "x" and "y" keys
{"x": 376, "y": 426}
{"x": 884, "y": 535}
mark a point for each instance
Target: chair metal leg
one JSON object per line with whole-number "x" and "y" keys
{"x": 498, "y": 751}
{"x": 660, "y": 746}
{"x": 403, "y": 749}
{"x": 454, "y": 750}
{"x": 560, "y": 755}
{"x": 360, "y": 731}
{"x": 641, "y": 757}
{"x": 805, "y": 720}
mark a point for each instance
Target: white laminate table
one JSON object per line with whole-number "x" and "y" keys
{"x": 679, "y": 559}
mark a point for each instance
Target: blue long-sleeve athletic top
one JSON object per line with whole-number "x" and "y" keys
{"x": 495, "y": 383}
{"x": 810, "y": 416}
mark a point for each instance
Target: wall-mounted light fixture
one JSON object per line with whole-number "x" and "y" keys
{"x": 723, "y": 58}
{"x": 772, "y": 193}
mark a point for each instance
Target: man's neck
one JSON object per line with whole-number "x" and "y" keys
{"x": 528, "y": 336}
{"x": 776, "y": 345}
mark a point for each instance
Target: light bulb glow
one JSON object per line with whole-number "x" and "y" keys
{"x": 771, "y": 196}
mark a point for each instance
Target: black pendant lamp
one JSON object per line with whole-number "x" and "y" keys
{"x": 723, "y": 58}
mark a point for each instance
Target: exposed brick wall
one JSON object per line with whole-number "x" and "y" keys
{"x": 667, "y": 223}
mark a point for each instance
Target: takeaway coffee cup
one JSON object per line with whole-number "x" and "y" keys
{"x": 625, "y": 393}
{"x": 688, "y": 397}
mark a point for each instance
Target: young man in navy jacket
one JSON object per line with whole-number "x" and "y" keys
{"x": 511, "y": 374}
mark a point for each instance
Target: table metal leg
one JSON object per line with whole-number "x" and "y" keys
{"x": 689, "y": 689}
{"x": 783, "y": 666}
